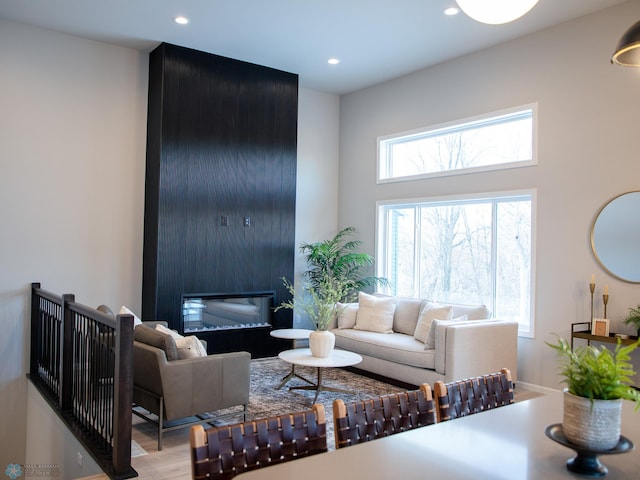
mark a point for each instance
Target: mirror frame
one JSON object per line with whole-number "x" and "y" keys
{"x": 593, "y": 241}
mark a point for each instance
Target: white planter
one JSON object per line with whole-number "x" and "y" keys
{"x": 594, "y": 427}
{"x": 321, "y": 343}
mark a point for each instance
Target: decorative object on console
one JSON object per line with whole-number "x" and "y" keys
{"x": 634, "y": 319}
{"x": 592, "y": 288}
{"x": 597, "y": 381}
{"x": 600, "y": 327}
{"x": 627, "y": 51}
{"x": 605, "y": 299}
{"x": 495, "y": 12}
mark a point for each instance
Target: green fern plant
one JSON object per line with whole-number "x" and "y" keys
{"x": 597, "y": 373}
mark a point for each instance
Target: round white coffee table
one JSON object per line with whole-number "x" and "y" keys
{"x": 303, "y": 357}
{"x": 292, "y": 334}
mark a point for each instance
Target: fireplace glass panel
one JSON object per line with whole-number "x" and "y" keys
{"x": 206, "y": 312}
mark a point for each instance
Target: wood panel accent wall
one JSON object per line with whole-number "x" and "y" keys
{"x": 220, "y": 180}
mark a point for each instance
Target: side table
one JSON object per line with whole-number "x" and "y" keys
{"x": 292, "y": 334}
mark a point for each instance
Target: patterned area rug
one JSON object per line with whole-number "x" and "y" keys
{"x": 265, "y": 399}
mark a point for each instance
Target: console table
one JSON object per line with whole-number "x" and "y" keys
{"x": 589, "y": 337}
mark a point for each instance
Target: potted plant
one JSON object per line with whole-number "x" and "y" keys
{"x": 634, "y": 319}
{"x": 321, "y": 303}
{"x": 597, "y": 380}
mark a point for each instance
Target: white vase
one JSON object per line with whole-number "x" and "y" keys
{"x": 594, "y": 427}
{"x": 321, "y": 343}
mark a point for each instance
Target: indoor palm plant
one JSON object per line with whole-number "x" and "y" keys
{"x": 597, "y": 380}
{"x": 339, "y": 259}
{"x": 634, "y": 319}
{"x": 335, "y": 273}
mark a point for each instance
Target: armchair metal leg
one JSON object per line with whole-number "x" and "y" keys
{"x": 160, "y": 423}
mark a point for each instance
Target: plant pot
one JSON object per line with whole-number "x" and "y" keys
{"x": 321, "y": 343}
{"x": 594, "y": 426}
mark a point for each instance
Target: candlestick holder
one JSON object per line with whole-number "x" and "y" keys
{"x": 592, "y": 287}
{"x": 605, "y": 300}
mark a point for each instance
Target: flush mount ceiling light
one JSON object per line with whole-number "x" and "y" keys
{"x": 628, "y": 50}
{"x": 180, "y": 20}
{"x": 495, "y": 12}
{"x": 333, "y": 61}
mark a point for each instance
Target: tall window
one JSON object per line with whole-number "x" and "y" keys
{"x": 462, "y": 251}
{"x": 496, "y": 141}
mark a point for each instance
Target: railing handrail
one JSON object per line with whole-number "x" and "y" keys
{"x": 81, "y": 357}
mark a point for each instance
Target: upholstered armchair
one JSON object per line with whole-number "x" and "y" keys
{"x": 177, "y": 391}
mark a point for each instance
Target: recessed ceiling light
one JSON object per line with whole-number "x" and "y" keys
{"x": 181, "y": 20}
{"x": 452, "y": 11}
{"x": 333, "y": 61}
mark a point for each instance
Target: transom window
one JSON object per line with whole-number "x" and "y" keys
{"x": 462, "y": 250}
{"x": 496, "y": 141}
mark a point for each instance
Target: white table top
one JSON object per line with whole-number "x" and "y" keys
{"x": 338, "y": 358}
{"x": 507, "y": 443}
{"x": 291, "y": 333}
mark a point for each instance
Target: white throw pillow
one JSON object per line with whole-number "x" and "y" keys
{"x": 125, "y": 311}
{"x": 375, "y": 314}
{"x": 428, "y": 312}
{"x": 431, "y": 337}
{"x": 168, "y": 331}
{"x": 347, "y": 315}
{"x": 190, "y": 347}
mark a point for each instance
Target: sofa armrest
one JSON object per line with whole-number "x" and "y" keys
{"x": 469, "y": 349}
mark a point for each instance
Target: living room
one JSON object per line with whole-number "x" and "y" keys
{"x": 73, "y": 149}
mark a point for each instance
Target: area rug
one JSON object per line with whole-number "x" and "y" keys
{"x": 265, "y": 399}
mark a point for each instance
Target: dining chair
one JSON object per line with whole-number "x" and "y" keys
{"x": 221, "y": 453}
{"x": 473, "y": 395}
{"x": 364, "y": 420}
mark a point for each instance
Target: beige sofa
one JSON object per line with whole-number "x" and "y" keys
{"x": 465, "y": 345}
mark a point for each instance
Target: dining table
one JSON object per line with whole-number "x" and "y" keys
{"x": 507, "y": 443}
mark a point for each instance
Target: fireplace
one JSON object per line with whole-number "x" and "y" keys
{"x": 226, "y": 311}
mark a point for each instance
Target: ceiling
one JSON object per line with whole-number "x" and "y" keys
{"x": 375, "y": 40}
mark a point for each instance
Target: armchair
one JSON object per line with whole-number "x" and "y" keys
{"x": 177, "y": 391}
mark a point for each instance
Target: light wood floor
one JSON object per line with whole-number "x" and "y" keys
{"x": 173, "y": 462}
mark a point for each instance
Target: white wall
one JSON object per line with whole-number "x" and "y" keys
{"x": 72, "y": 147}
{"x": 587, "y": 153}
{"x": 317, "y": 185}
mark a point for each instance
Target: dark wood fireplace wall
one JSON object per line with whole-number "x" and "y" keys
{"x": 220, "y": 180}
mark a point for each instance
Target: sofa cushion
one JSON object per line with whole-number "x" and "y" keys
{"x": 473, "y": 312}
{"x": 188, "y": 347}
{"x": 394, "y": 347}
{"x": 375, "y": 314}
{"x": 429, "y": 312}
{"x": 155, "y": 338}
{"x": 431, "y": 336}
{"x": 125, "y": 311}
{"x": 405, "y": 317}
{"x": 347, "y": 315}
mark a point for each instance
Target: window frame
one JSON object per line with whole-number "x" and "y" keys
{"x": 384, "y": 141}
{"x": 381, "y": 238}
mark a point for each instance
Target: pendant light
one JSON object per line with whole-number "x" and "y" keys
{"x": 495, "y": 12}
{"x": 628, "y": 50}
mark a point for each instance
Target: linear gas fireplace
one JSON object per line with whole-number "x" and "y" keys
{"x": 226, "y": 311}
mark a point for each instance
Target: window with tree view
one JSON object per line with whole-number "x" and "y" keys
{"x": 497, "y": 141}
{"x": 461, "y": 251}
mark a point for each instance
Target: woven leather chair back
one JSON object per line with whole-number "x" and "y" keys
{"x": 224, "y": 452}
{"x": 473, "y": 395}
{"x": 365, "y": 420}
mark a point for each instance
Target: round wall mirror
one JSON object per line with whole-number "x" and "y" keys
{"x": 615, "y": 237}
